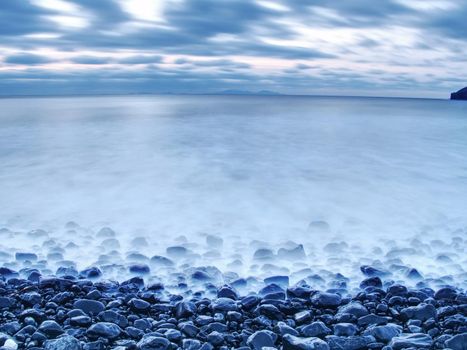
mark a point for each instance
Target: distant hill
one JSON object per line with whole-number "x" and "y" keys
{"x": 246, "y": 92}
{"x": 460, "y": 95}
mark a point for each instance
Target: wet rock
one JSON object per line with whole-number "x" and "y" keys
{"x": 139, "y": 305}
{"x": 457, "y": 342}
{"x": 104, "y": 329}
{"x": 50, "y": 328}
{"x": 416, "y": 340}
{"x": 185, "y": 309}
{"x": 91, "y": 307}
{"x": 345, "y": 329}
{"x": 384, "y": 333}
{"x": 291, "y": 342}
{"x": 260, "y": 339}
{"x": 323, "y": 299}
{"x": 421, "y": 312}
{"x": 153, "y": 343}
{"x": 315, "y": 329}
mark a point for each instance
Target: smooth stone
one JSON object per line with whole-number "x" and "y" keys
{"x": 139, "y": 305}
{"x": 384, "y": 333}
{"x": 91, "y": 307}
{"x": 141, "y": 269}
{"x": 324, "y": 299}
{"x": 349, "y": 343}
{"x": 291, "y": 342}
{"x": 227, "y": 291}
{"x": 50, "y": 328}
{"x": 260, "y": 339}
{"x": 184, "y": 309}
{"x": 104, "y": 329}
{"x": 457, "y": 342}
{"x": 223, "y": 305}
{"x": 446, "y": 293}
{"x": 354, "y": 308}
{"x": 420, "y": 312}
{"x": 345, "y": 329}
{"x": 66, "y": 342}
{"x": 415, "y": 340}
{"x": 315, "y": 329}
{"x": 149, "y": 342}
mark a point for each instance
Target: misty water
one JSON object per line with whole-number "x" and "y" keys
{"x": 370, "y": 175}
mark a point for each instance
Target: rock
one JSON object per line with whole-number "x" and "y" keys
{"x": 459, "y": 95}
{"x": 420, "y": 312}
{"x": 446, "y": 293}
{"x": 50, "y": 328}
{"x": 260, "y": 339}
{"x": 91, "y": 307}
{"x": 153, "y": 343}
{"x": 215, "y": 338}
{"x": 371, "y": 282}
{"x": 370, "y": 271}
{"x": 223, "y": 305}
{"x": 384, "y": 333}
{"x": 345, "y": 329}
{"x": 227, "y": 291}
{"x": 9, "y": 344}
{"x": 295, "y": 343}
{"x": 139, "y": 305}
{"x": 114, "y": 317}
{"x": 323, "y": 299}
{"x": 348, "y": 343}
{"x": 415, "y": 340}
{"x": 104, "y": 329}
{"x": 184, "y": 309}
{"x": 6, "y": 302}
{"x": 140, "y": 269}
{"x": 315, "y": 329}
{"x": 26, "y": 257}
{"x": 66, "y": 342}
{"x": 31, "y": 298}
{"x": 458, "y": 342}
{"x": 354, "y": 308}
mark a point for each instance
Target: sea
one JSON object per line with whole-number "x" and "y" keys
{"x": 269, "y": 169}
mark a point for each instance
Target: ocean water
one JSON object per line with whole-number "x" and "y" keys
{"x": 273, "y": 169}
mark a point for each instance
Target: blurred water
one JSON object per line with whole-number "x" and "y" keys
{"x": 256, "y": 166}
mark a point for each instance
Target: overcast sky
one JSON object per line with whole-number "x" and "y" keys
{"x": 413, "y": 48}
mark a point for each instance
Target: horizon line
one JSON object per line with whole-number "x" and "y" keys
{"x": 246, "y": 93}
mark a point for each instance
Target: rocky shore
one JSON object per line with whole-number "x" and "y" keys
{"x": 76, "y": 288}
{"x": 70, "y": 313}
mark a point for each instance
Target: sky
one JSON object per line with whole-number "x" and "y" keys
{"x": 407, "y": 48}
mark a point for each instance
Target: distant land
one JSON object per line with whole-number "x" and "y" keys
{"x": 460, "y": 95}
{"x": 246, "y": 92}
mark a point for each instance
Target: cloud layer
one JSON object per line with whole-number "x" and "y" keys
{"x": 358, "y": 47}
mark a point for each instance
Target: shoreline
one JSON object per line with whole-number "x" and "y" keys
{"x": 67, "y": 313}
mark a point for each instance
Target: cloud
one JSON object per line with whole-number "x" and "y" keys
{"x": 141, "y": 59}
{"x": 91, "y": 60}
{"x": 27, "y": 59}
{"x": 293, "y": 46}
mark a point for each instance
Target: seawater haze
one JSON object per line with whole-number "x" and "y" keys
{"x": 239, "y": 164}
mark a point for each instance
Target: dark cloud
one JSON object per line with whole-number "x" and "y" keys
{"x": 91, "y": 60}
{"x": 141, "y": 59}
{"x": 23, "y": 17}
{"x": 27, "y": 59}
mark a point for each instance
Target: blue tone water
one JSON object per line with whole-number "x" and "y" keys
{"x": 257, "y": 166}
